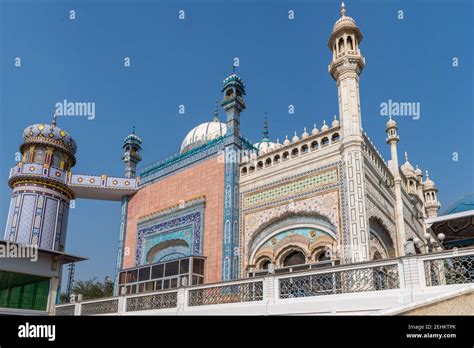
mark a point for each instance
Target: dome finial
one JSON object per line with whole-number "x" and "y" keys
{"x": 133, "y": 129}
{"x": 343, "y": 9}
{"x": 53, "y": 122}
{"x": 216, "y": 112}
{"x": 427, "y": 174}
{"x": 406, "y": 156}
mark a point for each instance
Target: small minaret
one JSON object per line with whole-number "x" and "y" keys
{"x": 432, "y": 204}
{"x": 265, "y": 129}
{"x": 392, "y": 140}
{"x": 233, "y": 88}
{"x": 346, "y": 66}
{"x": 131, "y": 156}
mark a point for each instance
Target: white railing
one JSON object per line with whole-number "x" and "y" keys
{"x": 396, "y": 279}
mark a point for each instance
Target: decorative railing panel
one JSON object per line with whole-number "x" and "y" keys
{"x": 447, "y": 271}
{"x": 149, "y": 302}
{"x": 65, "y": 310}
{"x": 354, "y": 280}
{"x": 243, "y": 292}
{"x": 102, "y": 307}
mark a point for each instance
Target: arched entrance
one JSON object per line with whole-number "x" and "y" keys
{"x": 291, "y": 241}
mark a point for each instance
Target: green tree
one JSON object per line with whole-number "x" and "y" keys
{"x": 91, "y": 289}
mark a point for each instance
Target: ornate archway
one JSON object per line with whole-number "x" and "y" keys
{"x": 381, "y": 244}
{"x": 309, "y": 235}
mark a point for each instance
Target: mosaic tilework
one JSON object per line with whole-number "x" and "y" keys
{"x": 282, "y": 205}
{"x": 26, "y": 218}
{"x": 63, "y": 220}
{"x": 49, "y": 224}
{"x": 9, "y": 218}
{"x": 291, "y": 188}
{"x": 121, "y": 242}
{"x": 205, "y": 179}
{"x": 38, "y": 219}
{"x": 184, "y": 234}
{"x": 230, "y": 247}
{"x": 14, "y": 218}
{"x": 309, "y": 233}
{"x": 184, "y": 225}
{"x": 324, "y": 205}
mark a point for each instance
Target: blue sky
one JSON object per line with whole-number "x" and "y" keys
{"x": 182, "y": 62}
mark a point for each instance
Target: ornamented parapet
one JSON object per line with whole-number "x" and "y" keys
{"x": 102, "y": 186}
{"x": 30, "y": 170}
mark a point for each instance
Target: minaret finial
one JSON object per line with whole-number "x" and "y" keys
{"x": 265, "y": 127}
{"x": 343, "y": 9}
{"x": 216, "y": 111}
{"x": 427, "y": 174}
{"x": 53, "y": 122}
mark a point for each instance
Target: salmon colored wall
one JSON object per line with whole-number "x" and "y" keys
{"x": 204, "y": 179}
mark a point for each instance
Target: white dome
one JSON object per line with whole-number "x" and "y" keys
{"x": 202, "y": 134}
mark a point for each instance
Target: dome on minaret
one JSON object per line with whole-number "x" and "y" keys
{"x": 132, "y": 138}
{"x": 418, "y": 171}
{"x": 407, "y": 167}
{"x": 391, "y": 123}
{"x": 343, "y": 23}
{"x": 428, "y": 183}
{"x": 49, "y": 134}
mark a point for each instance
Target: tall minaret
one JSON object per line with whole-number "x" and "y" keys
{"x": 40, "y": 200}
{"x": 346, "y": 65}
{"x": 132, "y": 145}
{"x": 233, "y": 88}
{"x": 392, "y": 140}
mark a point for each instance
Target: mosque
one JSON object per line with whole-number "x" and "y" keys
{"x": 225, "y": 208}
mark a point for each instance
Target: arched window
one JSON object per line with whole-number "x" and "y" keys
{"x": 341, "y": 45}
{"x": 286, "y": 155}
{"x": 377, "y": 256}
{"x": 56, "y": 160}
{"x": 324, "y": 256}
{"x": 349, "y": 43}
{"x": 294, "y": 152}
{"x": 260, "y": 165}
{"x": 314, "y": 145}
{"x": 264, "y": 264}
{"x": 325, "y": 141}
{"x": 276, "y": 159}
{"x": 294, "y": 258}
{"x": 268, "y": 162}
{"x": 244, "y": 171}
{"x": 251, "y": 169}
{"x": 40, "y": 153}
{"x": 335, "y": 137}
{"x": 304, "y": 148}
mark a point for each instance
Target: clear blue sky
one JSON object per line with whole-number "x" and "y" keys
{"x": 177, "y": 62}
